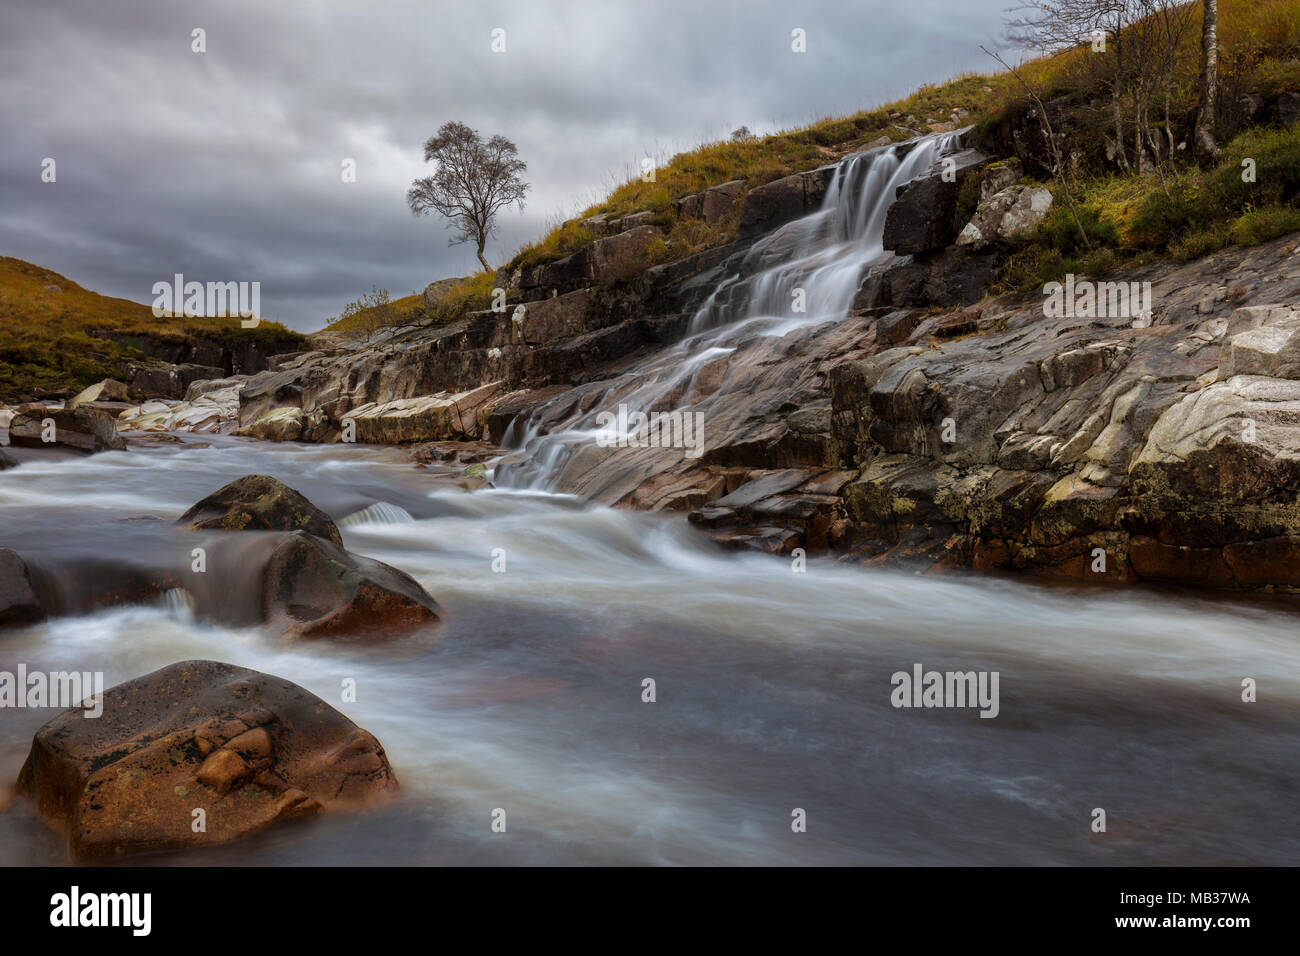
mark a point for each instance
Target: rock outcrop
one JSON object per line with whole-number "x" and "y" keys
{"x": 247, "y": 749}
{"x": 81, "y": 429}
{"x": 920, "y": 221}
{"x": 109, "y": 390}
{"x": 1012, "y": 213}
{"x": 773, "y": 204}
{"x": 170, "y": 381}
{"x": 440, "y": 417}
{"x": 279, "y": 424}
{"x": 1115, "y": 446}
{"x": 210, "y": 406}
{"x": 1098, "y": 447}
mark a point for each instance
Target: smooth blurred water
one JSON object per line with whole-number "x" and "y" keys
{"x": 773, "y": 687}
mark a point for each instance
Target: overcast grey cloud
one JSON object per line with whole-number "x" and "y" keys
{"x": 226, "y": 165}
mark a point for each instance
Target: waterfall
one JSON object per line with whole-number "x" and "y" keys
{"x": 804, "y": 274}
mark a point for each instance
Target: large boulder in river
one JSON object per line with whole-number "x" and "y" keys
{"x": 246, "y": 748}
{"x": 82, "y": 429}
{"x": 312, "y": 588}
{"x": 260, "y": 503}
{"x": 18, "y": 602}
{"x": 7, "y": 460}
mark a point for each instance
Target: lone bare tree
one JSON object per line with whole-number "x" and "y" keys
{"x": 474, "y": 180}
{"x": 1206, "y": 147}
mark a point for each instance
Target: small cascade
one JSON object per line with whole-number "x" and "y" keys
{"x": 381, "y": 512}
{"x": 179, "y": 604}
{"x": 804, "y": 274}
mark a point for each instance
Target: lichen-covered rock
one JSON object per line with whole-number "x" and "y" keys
{"x": 260, "y": 503}
{"x": 1268, "y": 345}
{"x": 1012, "y": 213}
{"x": 197, "y": 741}
{"x": 435, "y": 292}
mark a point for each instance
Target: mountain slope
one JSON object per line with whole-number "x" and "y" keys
{"x": 57, "y": 337}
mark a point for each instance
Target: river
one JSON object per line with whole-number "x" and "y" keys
{"x": 773, "y": 687}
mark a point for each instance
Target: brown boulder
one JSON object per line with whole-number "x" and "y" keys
{"x": 246, "y": 748}
{"x": 259, "y": 503}
{"x": 310, "y": 588}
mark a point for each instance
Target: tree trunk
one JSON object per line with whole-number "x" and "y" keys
{"x": 1206, "y": 147}
{"x": 486, "y": 267}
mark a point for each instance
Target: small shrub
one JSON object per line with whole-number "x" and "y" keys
{"x": 1162, "y": 218}
{"x": 1198, "y": 244}
{"x": 1276, "y": 155}
{"x": 1261, "y": 225}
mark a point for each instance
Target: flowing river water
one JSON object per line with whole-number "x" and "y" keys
{"x": 772, "y": 685}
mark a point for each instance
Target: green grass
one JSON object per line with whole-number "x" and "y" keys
{"x": 1134, "y": 219}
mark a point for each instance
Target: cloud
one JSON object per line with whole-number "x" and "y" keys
{"x": 226, "y": 165}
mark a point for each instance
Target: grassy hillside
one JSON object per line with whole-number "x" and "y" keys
{"x": 1161, "y": 210}
{"x": 48, "y": 326}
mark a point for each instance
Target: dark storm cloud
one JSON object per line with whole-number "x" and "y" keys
{"x": 225, "y": 165}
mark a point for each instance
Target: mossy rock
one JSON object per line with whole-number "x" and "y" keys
{"x": 260, "y": 503}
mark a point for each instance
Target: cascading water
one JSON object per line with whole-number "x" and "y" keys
{"x": 804, "y": 274}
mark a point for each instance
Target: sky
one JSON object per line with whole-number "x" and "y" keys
{"x": 226, "y": 165}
